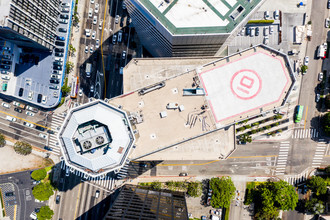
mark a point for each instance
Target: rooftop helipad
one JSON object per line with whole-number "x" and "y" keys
{"x": 240, "y": 85}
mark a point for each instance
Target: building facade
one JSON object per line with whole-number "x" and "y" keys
{"x": 29, "y": 23}
{"x": 176, "y": 28}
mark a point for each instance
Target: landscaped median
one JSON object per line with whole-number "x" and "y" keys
{"x": 3, "y": 210}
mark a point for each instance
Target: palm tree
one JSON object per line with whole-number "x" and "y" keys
{"x": 23, "y": 148}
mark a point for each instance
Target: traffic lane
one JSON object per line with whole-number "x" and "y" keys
{"x": 18, "y": 132}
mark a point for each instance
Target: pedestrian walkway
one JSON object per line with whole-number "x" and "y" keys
{"x": 297, "y": 179}
{"x": 319, "y": 153}
{"x": 305, "y": 133}
{"x": 106, "y": 182}
{"x": 282, "y": 158}
{"x": 53, "y": 142}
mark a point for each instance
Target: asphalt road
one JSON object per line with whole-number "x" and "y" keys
{"x": 309, "y": 82}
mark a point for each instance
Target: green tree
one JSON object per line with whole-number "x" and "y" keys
{"x": 194, "y": 189}
{"x": 325, "y": 121}
{"x": 45, "y": 213}
{"x": 317, "y": 185}
{"x": 39, "y": 174}
{"x": 42, "y": 191}
{"x": 245, "y": 138}
{"x": 66, "y": 90}
{"x": 2, "y": 140}
{"x": 327, "y": 169}
{"x": 72, "y": 50}
{"x": 303, "y": 68}
{"x": 156, "y": 185}
{"x": 23, "y": 148}
{"x": 327, "y": 101}
{"x": 223, "y": 191}
{"x": 285, "y": 196}
{"x": 314, "y": 206}
{"x": 69, "y": 67}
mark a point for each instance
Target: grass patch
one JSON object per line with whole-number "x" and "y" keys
{"x": 48, "y": 168}
{"x": 227, "y": 213}
{"x": 260, "y": 21}
{"x": 2, "y": 205}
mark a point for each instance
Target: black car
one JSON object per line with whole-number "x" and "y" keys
{"x": 58, "y": 198}
{"x": 18, "y": 110}
{"x": 248, "y": 31}
{"x": 20, "y": 91}
{"x": 58, "y": 63}
{"x": 55, "y": 81}
{"x": 5, "y": 67}
{"x": 48, "y": 148}
{"x": 257, "y": 31}
{"x": 50, "y": 132}
{"x": 59, "y": 43}
{"x": 63, "y": 30}
{"x": 40, "y": 128}
{"x": 59, "y": 54}
{"x": 9, "y": 194}
{"x": 8, "y": 57}
{"x": 143, "y": 165}
{"x": 56, "y": 67}
{"x": 64, "y": 16}
{"x": 39, "y": 98}
{"x": 59, "y": 50}
{"x": 6, "y": 62}
{"x": 328, "y": 4}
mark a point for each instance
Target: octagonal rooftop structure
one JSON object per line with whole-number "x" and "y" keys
{"x": 96, "y": 138}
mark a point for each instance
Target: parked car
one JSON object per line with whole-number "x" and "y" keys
{"x": 58, "y": 198}
{"x": 92, "y": 88}
{"x": 54, "y": 76}
{"x": 9, "y": 194}
{"x": 183, "y": 174}
{"x": 317, "y": 97}
{"x": 97, "y": 194}
{"x": 44, "y": 136}
{"x": 44, "y": 99}
{"x": 90, "y": 12}
{"x": 5, "y": 67}
{"x": 5, "y": 77}
{"x": 30, "y": 95}
{"x": 267, "y": 15}
{"x": 266, "y": 31}
{"x": 9, "y": 118}
{"x": 59, "y": 50}
{"x": 32, "y": 109}
{"x": 91, "y": 49}
{"x": 55, "y": 81}
{"x": 94, "y": 35}
{"x": 29, "y": 113}
{"x": 117, "y": 19}
{"x": 248, "y": 31}
{"x": 63, "y": 21}
{"x": 95, "y": 19}
{"x": 5, "y": 105}
{"x": 306, "y": 60}
{"x": 80, "y": 92}
{"x": 96, "y": 10}
{"x": 67, "y": 171}
{"x": 57, "y": 67}
{"x": 97, "y": 43}
{"x": 271, "y": 29}
{"x": 63, "y": 16}
{"x": 48, "y": 148}
{"x": 59, "y": 54}
{"x": 100, "y": 25}
{"x": 123, "y": 55}
{"x": 18, "y": 110}
{"x": 86, "y": 49}
{"x": 63, "y": 30}
{"x": 266, "y": 40}
{"x": 320, "y": 78}
{"x": 276, "y": 15}
{"x": 40, "y": 128}
{"x": 60, "y": 43}
{"x": 257, "y": 31}
{"x": 60, "y": 38}
{"x": 114, "y": 39}
{"x": 20, "y": 92}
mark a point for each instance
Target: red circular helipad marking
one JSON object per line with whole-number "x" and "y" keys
{"x": 246, "y": 84}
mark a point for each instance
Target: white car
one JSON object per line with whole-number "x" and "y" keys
{"x": 271, "y": 29}
{"x": 117, "y": 19}
{"x": 124, "y": 54}
{"x": 9, "y": 118}
{"x": 29, "y": 113}
{"x": 306, "y": 60}
{"x": 54, "y": 76}
{"x": 97, "y": 43}
{"x": 266, "y": 40}
{"x": 55, "y": 94}
{"x": 30, "y": 96}
{"x": 88, "y": 32}
{"x": 16, "y": 103}
{"x": 5, "y": 105}
{"x": 100, "y": 25}
{"x": 320, "y": 78}
{"x": 90, "y": 13}
{"x": 44, "y": 99}
{"x": 80, "y": 92}
{"x": 93, "y": 35}
{"x": 63, "y": 21}
{"x": 95, "y": 19}
{"x": 276, "y": 15}
{"x": 327, "y": 22}
{"x": 27, "y": 124}
{"x": 86, "y": 49}
{"x": 43, "y": 136}
{"x": 67, "y": 171}
{"x": 92, "y": 1}
{"x": 5, "y": 77}
{"x": 91, "y": 50}
{"x": 267, "y": 15}
{"x": 96, "y": 10}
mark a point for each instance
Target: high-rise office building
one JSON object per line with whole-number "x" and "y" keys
{"x": 29, "y": 23}
{"x": 136, "y": 202}
{"x": 188, "y": 28}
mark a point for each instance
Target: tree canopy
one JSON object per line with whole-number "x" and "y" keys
{"x": 23, "y": 148}
{"x": 223, "y": 191}
{"x": 45, "y": 213}
{"x": 326, "y": 123}
{"x": 43, "y": 191}
{"x": 317, "y": 185}
{"x": 194, "y": 189}
{"x": 39, "y": 174}
{"x": 270, "y": 197}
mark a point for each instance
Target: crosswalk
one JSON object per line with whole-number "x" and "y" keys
{"x": 297, "y": 179}
{"x": 319, "y": 153}
{"x": 106, "y": 182}
{"x": 282, "y": 157}
{"x": 305, "y": 133}
{"x": 53, "y": 142}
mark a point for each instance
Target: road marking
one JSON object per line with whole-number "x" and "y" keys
{"x": 213, "y": 161}
{"x": 306, "y": 117}
{"x": 25, "y": 120}
{"x": 78, "y": 199}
